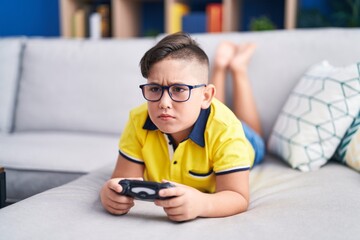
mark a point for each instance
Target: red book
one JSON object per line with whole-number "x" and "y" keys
{"x": 214, "y": 17}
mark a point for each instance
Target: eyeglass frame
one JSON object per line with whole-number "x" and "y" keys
{"x": 163, "y": 88}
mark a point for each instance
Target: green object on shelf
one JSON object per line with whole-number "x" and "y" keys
{"x": 342, "y": 13}
{"x": 151, "y": 33}
{"x": 262, "y": 23}
{"x": 311, "y": 18}
{"x": 346, "y": 13}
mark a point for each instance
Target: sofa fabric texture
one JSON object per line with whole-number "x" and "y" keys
{"x": 66, "y": 102}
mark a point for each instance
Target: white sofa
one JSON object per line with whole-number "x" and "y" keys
{"x": 64, "y": 103}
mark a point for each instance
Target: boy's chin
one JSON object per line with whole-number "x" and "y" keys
{"x": 168, "y": 131}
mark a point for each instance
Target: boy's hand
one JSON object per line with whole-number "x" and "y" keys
{"x": 186, "y": 202}
{"x": 112, "y": 201}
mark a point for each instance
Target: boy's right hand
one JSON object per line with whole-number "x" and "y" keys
{"x": 112, "y": 201}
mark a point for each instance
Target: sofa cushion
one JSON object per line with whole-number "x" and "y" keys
{"x": 59, "y": 152}
{"x": 35, "y": 162}
{"x": 348, "y": 151}
{"x": 10, "y": 53}
{"x": 316, "y": 116}
{"x": 284, "y": 204}
{"x": 79, "y": 85}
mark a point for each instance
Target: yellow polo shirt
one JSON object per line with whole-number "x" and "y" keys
{"x": 216, "y": 145}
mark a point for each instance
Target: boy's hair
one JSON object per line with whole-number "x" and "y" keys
{"x": 175, "y": 46}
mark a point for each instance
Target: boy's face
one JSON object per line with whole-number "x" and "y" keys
{"x": 178, "y": 118}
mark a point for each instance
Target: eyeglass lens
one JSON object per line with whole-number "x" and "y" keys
{"x": 179, "y": 93}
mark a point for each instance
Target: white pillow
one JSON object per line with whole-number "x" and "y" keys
{"x": 316, "y": 116}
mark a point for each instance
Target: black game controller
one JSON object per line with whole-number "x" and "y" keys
{"x": 143, "y": 190}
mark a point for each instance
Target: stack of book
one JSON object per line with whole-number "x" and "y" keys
{"x": 91, "y": 21}
{"x": 182, "y": 19}
{"x": 177, "y": 12}
{"x": 214, "y": 17}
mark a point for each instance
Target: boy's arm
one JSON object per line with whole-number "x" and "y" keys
{"x": 231, "y": 197}
{"x": 127, "y": 169}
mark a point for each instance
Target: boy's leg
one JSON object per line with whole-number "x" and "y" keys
{"x": 256, "y": 141}
{"x": 223, "y": 56}
{"x": 244, "y": 105}
{"x": 236, "y": 58}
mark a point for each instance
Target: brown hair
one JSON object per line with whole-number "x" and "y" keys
{"x": 176, "y": 46}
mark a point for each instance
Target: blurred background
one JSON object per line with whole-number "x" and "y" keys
{"x": 43, "y": 17}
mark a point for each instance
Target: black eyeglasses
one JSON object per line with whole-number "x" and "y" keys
{"x": 177, "y": 92}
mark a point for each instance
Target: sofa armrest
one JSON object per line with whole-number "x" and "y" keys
{"x": 2, "y": 187}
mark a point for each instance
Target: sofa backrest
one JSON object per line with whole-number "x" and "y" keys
{"x": 282, "y": 57}
{"x": 95, "y": 83}
{"x": 79, "y": 85}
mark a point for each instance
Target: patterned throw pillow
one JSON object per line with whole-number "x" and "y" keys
{"x": 348, "y": 152}
{"x": 316, "y": 116}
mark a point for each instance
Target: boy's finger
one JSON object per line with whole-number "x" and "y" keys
{"x": 114, "y": 185}
{"x": 171, "y": 192}
{"x": 173, "y": 183}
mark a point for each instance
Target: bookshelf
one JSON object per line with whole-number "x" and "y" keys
{"x": 126, "y": 15}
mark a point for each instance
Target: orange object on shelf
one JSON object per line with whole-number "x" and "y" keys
{"x": 214, "y": 17}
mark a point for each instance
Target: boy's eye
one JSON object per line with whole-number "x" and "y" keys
{"x": 178, "y": 89}
{"x": 155, "y": 89}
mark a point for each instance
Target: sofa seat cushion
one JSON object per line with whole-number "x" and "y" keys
{"x": 35, "y": 162}
{"x": 52, "y": 151}
{"x": 284, "y": 204}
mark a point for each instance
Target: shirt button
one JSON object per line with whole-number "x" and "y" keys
{"x": 175, "y": 162}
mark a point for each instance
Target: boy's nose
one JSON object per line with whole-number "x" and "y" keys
{"x": 165, "y": 100}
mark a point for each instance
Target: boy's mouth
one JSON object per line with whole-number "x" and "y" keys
{"x": 165, "y": 116}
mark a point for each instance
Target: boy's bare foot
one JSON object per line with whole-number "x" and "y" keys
{"x": 224, "y": 54}
{"x": 241, "y": 59}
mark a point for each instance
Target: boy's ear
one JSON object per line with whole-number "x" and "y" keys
{"x": 209, "y": 93}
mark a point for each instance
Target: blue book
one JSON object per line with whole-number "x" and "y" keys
{"x": 194, "y": 22}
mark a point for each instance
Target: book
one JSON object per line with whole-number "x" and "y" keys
{"x": 104, "y": 11}
{"x": 178, "y": 10}
{"x": 194, "y": 22}
{"x": 214, "y": 17}
{"x": 79, "y": 23}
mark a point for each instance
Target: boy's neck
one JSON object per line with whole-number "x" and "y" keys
{"x": 171, "y": 141}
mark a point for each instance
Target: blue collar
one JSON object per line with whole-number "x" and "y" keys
{"x": 197, "y": 133}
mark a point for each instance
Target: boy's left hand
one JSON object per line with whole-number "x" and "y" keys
{"x": 186, "y": 202}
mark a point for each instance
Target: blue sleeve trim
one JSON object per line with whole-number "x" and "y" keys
{"x": 131, "y": 159}
{"x": 232, "y": 171}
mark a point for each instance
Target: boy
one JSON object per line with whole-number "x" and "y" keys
{"x": 185, "y": 136}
